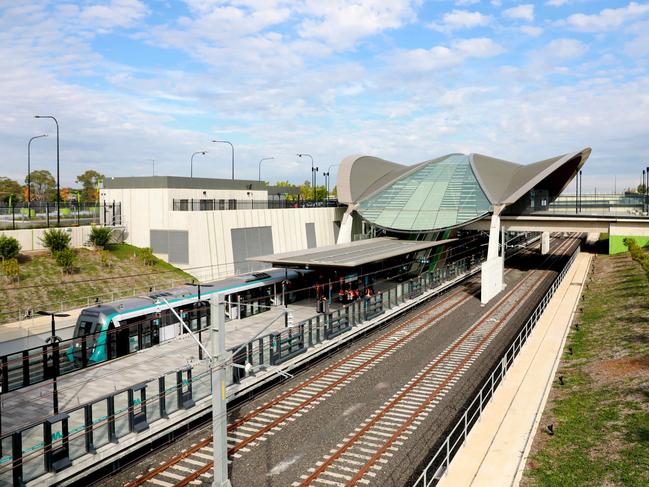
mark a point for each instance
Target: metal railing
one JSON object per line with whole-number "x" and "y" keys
{"x": 43, "y": 214}
{"x": 52, "y": 444}
{"x": 59, "y": 305}
{"x": 192, "y": 204}
{"x": 441, "y": 458}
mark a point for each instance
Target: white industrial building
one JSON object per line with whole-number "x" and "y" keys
{"x": 209, "y": 227}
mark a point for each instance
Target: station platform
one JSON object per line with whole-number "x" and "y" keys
{"x": 31, "y": 404}
{"x": 497, "y": 446}
{"x": 113, "y": 409}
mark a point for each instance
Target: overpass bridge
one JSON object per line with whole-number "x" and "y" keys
{"x": 617, "y": 226}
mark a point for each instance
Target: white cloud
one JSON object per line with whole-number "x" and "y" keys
{"x": 462, "y": 3}
{"x": 461, "y": 19}
{"x": 531, "y": 30}
{"x": 564, "y": 49}
{"x": 341, "y": 24}
{"x": 442, "y": 57}
{"x": 117, "y": 13}
{"x": 608, "y": 19}
{"x": 521, "y": 12}
{"x": 556, "y": 3}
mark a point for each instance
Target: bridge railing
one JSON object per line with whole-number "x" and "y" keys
{"x": 441, "y": 458}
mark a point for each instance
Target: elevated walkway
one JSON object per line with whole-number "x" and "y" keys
{"x": 496, "y": 449}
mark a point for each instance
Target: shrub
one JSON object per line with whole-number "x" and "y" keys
{"x": 55, "y": 240}
{"x": 11, "y": 269}
{"x": 104, "y": 256}
{"x": 9, "y": 247}
{"x": 66, "y": 258}
{"x": 100, "y": 236}
{"x": 147, "y": 256}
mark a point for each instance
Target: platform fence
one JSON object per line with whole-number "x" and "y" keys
{"x": 441, "y": 458}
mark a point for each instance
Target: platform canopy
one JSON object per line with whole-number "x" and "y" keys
{"x": 352, "y": 254}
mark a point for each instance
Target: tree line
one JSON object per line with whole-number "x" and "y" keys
{"x": 42, "y": 187}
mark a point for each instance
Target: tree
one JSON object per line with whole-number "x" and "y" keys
{"x": 90, "y": 181}
{"x": 43, "y": 185}
{"x": 10, "y": 189}
{"x": 641, "y": 188}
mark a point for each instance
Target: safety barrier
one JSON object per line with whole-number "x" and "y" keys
{"x": 55, "y": 443}
{"x": 442, "y": 457}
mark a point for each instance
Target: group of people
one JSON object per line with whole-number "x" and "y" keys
{"x": 350, "y": 295}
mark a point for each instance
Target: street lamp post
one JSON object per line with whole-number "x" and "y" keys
{"x": 581, "y": 177}
{"x": 191, "y": 162}
{"x": 58, "y": 179}
{"x": 29, "y": 171}
{"x": 313, "y": 171}
{"x": 262, "y": 160}
{"x": 54, "y": 340}
{"x": 326, "y": 176}
{"x": 231, "y": 147}
{"x": 329, "y": 176}
{"x": 646, "y": 190}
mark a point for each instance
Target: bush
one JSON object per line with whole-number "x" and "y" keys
{"x": 104, "y": 256}
{"x": 55, "y": 240}
{"x": 9, "y": 247}
{"x": 11, "y": 269}
{"x": 637, "y": 253}
{"x": 66, "y": 258}
{"x": 147, "y": 256}
{"x": 100, "y": 236}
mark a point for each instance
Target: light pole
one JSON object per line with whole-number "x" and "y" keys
{"x": 191, "y": 162}
{"x": 326, "y": 176}
{"x": 54, "y": 340}
{"x": 198, "y": 301}
{"x": 29, "y": 171}
{"x": 231, "y": 147}
{"x": 313, "y": 171}
{"x": 262, "y": 160}
{"x": 580, "y": 188}
{"x": 329, "y": 176}
{"x": 58, "y": 179}
{"x": 152, "y": 166}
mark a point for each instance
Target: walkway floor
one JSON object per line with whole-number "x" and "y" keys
{"x": 34, "y": 403}
{"x": 496, "y": 449}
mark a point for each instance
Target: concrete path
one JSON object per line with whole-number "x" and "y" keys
{"x": 497, "y": 447}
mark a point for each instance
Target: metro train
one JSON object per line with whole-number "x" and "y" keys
{"x": 107, "y": 331}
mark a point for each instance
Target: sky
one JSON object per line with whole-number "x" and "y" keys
{"x": 132, "y": 81}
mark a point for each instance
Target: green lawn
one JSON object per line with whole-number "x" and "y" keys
{"x": 42, "y": 285}
{"x": 601, "y": 414}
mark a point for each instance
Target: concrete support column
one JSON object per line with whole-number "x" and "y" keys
{"x": 545, "y": 243}
{"x": 493, "y": 269}
{"x": 345, "y": 234}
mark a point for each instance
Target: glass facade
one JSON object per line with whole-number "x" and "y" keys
{"x": 437, "y": 195}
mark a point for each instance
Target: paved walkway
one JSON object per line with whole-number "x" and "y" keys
{"x": 34, "y": 403}
{"x": 497, "y": 447}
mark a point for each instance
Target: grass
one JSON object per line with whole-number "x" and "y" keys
{"x": 42, "y": 285}
{"x": 601, "y": 414}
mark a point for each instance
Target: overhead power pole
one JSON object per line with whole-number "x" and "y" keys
{"x": 219, "y": 410}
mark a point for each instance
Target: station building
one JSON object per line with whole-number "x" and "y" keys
{"x": 209, "y": 227}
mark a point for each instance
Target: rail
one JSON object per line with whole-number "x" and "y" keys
{"x": 52, "y": 444}
{"x": 192, "y": 204}
{"x": 441, "y": 458}
{"x": 43, "y": 214}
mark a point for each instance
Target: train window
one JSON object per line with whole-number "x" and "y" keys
{"x": 85, "y": 328}
{"x": 132, "y": 339}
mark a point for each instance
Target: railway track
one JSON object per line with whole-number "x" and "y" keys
{"x": 355, "y": 460}
{"x": 195, "y": 463}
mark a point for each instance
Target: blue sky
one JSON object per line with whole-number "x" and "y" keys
{"x": 134, "y": 80}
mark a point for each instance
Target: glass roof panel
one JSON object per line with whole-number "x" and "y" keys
{"x": 437, "y": 195}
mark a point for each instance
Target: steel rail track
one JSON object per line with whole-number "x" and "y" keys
{"x": 422, "y": 391}
{"x": 356, "y": 362}
{"x": 386, "y": 346}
